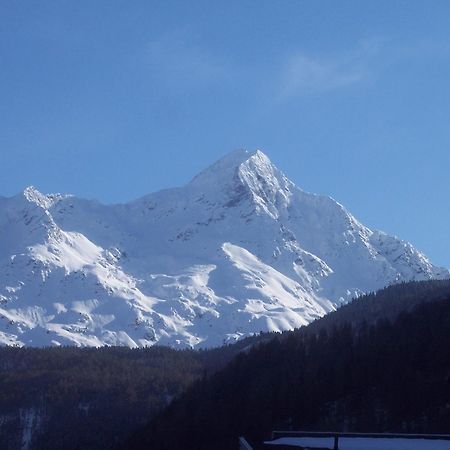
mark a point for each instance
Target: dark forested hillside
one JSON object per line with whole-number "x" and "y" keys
{"x": 390, "y": 374}
{"x": 363, "y": 367}
{"x": 86, "y": 398}
{"x": 386, "y": 303}
{"x": 71, "y": 398}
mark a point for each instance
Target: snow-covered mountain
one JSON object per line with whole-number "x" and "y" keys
{"x": 238, "y": 250}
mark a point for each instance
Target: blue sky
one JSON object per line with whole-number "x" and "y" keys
{"x": 116, "y": 99}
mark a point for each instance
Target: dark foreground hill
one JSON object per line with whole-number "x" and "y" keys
{"x": 72, "y": 398}
{"x": 345, "y": 372}
{"x": 69, "y": 398}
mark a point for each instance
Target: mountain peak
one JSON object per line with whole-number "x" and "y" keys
{"x": 242, "y": 175}
{"x": 242, "y": 164}
{"x": 45, "y": 201}
{"x": 32, "y": 195}
{"x": 226, "y": 167}
{"x": 245, "y": 175}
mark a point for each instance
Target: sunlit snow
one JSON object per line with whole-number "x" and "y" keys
{"x": 238, "y": 250}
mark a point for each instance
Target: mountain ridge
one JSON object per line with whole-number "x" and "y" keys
{"x": 238, "y": 250}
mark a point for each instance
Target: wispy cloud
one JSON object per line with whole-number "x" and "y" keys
{"x": 303, "y": 74}
{"x": 176, "y": 59}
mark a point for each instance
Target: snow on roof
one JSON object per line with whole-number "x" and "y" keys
{"x": 362, "y": 443}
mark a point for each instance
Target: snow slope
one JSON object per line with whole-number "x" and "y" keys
{"x": 237, "y": 250}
